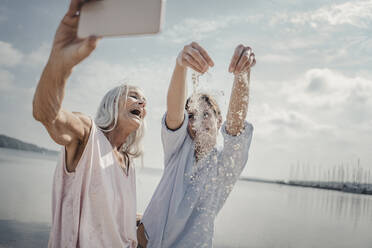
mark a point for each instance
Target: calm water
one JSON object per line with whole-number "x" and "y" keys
{"x": 255, "y": 215}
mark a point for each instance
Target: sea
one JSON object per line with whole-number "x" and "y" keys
{"x": 255, "y": 215}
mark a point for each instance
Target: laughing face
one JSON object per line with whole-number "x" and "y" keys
{"x": 132, "y": 110}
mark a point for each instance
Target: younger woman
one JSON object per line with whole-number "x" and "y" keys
{"x": 197, "y": 177}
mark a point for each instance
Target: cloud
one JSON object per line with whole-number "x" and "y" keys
{"x": 318, "y": 103}
{"x": 292, "y": 120}
{"x": 199, "y": 29}
{"x": 355, "y": 13}
{"x": 297, "y": 43}
{"x": 6, "y": 80}
{"x": 324, "y": 88}
{"x": 39, "y": 56}
{"x": 323, "y": 117}
{"x": 192, "y": 29}
{"x": 279, "y": 121}
{"x": 277, "y": 58}
{"x": 9, "y": 56}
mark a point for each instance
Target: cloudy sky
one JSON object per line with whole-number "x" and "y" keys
{"x": 311, "y": 90}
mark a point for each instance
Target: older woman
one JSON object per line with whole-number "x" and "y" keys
{"x": 94, "y": 195}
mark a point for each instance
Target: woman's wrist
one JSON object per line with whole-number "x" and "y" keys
{"x": 180, "y": 67}
{"x": 57, "y": 69}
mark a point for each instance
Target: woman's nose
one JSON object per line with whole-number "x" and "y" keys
{"x": 142, "y": 102}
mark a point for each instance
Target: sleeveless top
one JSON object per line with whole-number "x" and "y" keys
{"x": 95, "y": 206}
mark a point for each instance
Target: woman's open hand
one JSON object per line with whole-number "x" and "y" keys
{"x": 242, "y": 60}
{"x": 195, "y": 57}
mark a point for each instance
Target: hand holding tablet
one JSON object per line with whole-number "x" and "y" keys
{"x": 120, "y": 17}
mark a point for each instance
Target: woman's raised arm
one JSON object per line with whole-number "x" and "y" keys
{"x": 67, "y": 51}
{"x": 241, "y": 63}
{"x": 64, "y": 127}
{"x": 195, "y": 57}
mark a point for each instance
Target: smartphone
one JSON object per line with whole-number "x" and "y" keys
{"x": 121, "y": 17}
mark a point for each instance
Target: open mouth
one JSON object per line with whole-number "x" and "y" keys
{"x": 136, "y": 112}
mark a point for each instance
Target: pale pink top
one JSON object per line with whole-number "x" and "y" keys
{"x": 95, "y": 206}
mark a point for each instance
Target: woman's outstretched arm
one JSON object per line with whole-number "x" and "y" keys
{"x": 65, "y": 128}
{"x": 241, "y": 63}
{"x": 195, "y": 57}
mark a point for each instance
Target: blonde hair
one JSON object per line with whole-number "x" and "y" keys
{"x": 212, "y": 103}
{"x": 107, "y": 117}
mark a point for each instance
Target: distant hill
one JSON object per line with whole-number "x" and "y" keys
{"x": 12, "y": 143}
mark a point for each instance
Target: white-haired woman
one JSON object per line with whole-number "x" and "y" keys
{"x": 94, "y": 195}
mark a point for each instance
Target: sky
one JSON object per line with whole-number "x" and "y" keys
{"x": 311, "y": 89}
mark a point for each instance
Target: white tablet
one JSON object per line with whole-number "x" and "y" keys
{"x": 121, "y": 17}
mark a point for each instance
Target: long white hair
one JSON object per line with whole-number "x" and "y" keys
{"x": 107, "y": 117}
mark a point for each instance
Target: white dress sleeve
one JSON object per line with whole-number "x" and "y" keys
{"x": 233, "y": 158}
{"x": 173, "y": 139}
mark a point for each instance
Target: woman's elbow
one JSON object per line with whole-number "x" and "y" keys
{"x": 41, "y": 114}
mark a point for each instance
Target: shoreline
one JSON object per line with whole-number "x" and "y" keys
{"x": 346, "y": 187}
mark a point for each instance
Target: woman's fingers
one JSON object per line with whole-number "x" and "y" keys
{"x": 75, "y": 6}
{"x": 195, "y": 54}
{"x": 249, "y": 62}
{"x": 235, "y": 59}
{"x": 71, "y": 19}
{"x": 252, "y": 61}
{"x": 189, "y": 61}
{"x": 246, "y": 60}
{"x": 204, "y": 53}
